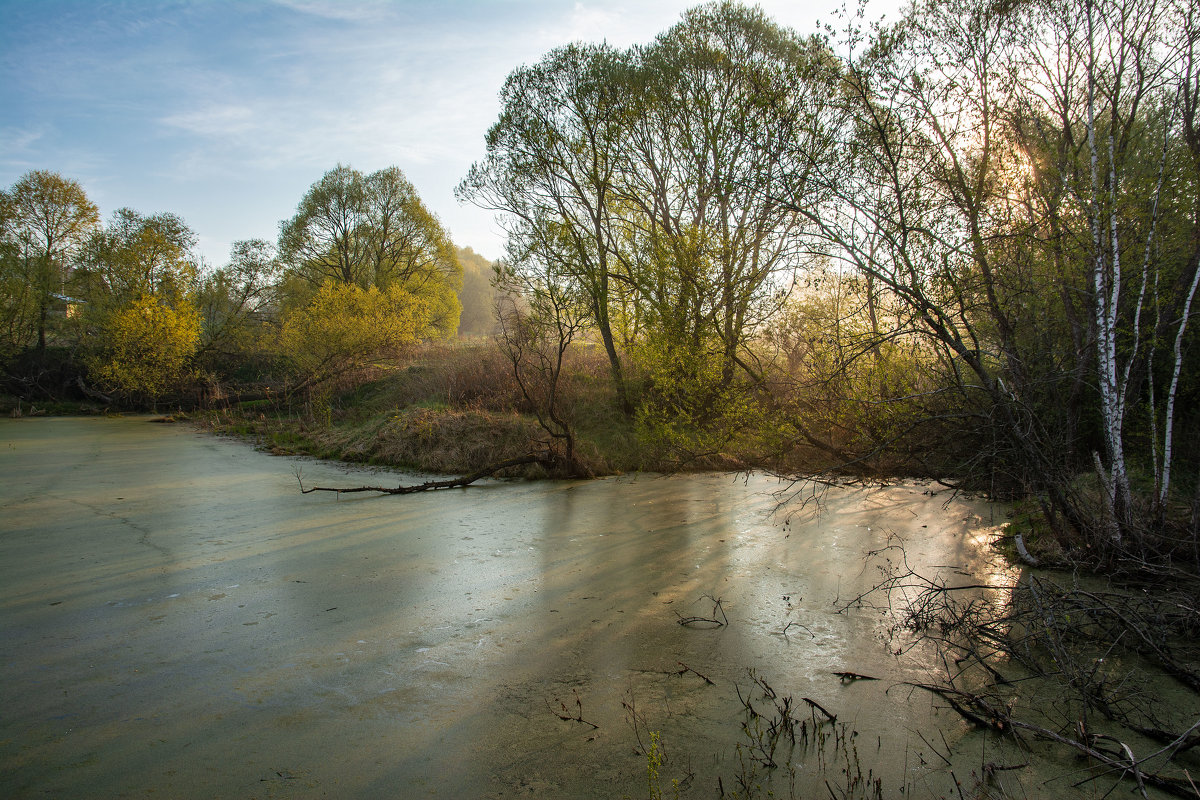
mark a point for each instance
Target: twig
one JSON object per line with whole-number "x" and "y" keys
{"x": 709, "y": 620}
{"x": 821, "y": 708}
{"x": 686, "y": 669}
{"x": 566, "y": 715}
{"x": 805, "y": 628}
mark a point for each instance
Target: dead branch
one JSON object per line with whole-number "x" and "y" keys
{"x": 685, "y": 669}
{"x": 979, "y": 709}
{"x": 1023, "y": 552}
{"x": 804, "y": 628}
{"x": 567, "y": 716}
{"x": 452, "y": 483}
{"x": 709, "y": 620}
{"x": 814, "y": 704}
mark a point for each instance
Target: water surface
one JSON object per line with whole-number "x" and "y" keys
{"x": 177, "y": 620}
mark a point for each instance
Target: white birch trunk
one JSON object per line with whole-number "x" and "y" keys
{"x": 1169, "y": 420}
{"x": 1106, "y": 283}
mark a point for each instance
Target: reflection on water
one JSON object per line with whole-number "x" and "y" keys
{"x": 177, "y": 619}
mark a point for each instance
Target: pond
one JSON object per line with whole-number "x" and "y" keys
{"x": 177, "y": 619}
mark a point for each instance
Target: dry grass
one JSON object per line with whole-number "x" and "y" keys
{"x": 440, "y": 440}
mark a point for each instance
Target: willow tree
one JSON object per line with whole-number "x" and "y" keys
{"x": 646, "y": 179}
{"x": 373, "y": 231}
{"x": 727, "y": 107}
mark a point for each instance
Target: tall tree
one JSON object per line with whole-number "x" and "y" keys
{"x": 373, "y": 230}
{"x": 728, "y": 105}
{"x": 551, "y": 172}
{"x": 46, "y": 219}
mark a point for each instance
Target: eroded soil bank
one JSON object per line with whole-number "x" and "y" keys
{"x": 177, "y": 620}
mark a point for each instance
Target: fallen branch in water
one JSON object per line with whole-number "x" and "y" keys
{"x": 1023, "y": 552}
{"x": 685, "y": 669}
{"x": 814, "y": 704}
{"x": 567, "y": 716}
{"x": 709, "y": 620}
{"x": 451, "y": 483}
{"x": 979, "y": 710}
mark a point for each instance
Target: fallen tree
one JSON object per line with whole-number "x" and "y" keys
{"x": 553, "y": 464}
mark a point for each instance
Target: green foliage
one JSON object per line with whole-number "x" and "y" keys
{"x": 147, "y": 347}
{"x": 18, "y": 304}
{"x": 654, "y": 762}
{"x": 648, "y": 178}
{"x": 135, "y": 255}
{"x": 372, "y": 231}
{"x": 44, "y": 219}
{"x": 689, "y": 412}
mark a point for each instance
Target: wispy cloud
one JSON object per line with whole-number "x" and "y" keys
{"x": 14, "y": 140}
{"x": 370, "y": 10}
{"x": 218, "y": 121}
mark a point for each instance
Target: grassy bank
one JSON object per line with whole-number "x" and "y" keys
{"x": 449, "y": 409}
{"x": 454, "y": 408}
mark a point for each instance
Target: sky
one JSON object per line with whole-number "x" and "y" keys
{"x": 225, "y": 112}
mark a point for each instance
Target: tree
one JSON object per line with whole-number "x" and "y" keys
{"x": 647, "y": 178}
{"x": 1009, "y": 189}
{"x": 727, "y": 106}
{"x": 140, "y": 327}
{"x": 147, "y": 347}
{"x": 373, "y": 231}
{"x": 236, "y": 301}
{"x": 136, "y": 255}
{"x": 18, "y": 298}
{"x": 551, "y": 172}
{"x": 539, "y": 320}
{"x": 45, "y": 219}
{"x": 345, "y": 328}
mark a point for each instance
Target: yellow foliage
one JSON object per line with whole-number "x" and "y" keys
{"x": 148, "y": 346}
{"x": 344, "y": 327}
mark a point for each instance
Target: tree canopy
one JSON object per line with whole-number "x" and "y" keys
{"x": 44, "y": 219}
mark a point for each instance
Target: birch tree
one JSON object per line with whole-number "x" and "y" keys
{"x": 1017, "y": 178}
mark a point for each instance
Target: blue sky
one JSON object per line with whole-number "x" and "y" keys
{"x": 226, "y": 111}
